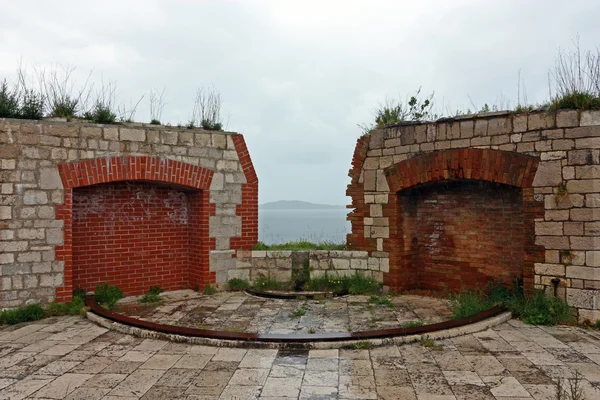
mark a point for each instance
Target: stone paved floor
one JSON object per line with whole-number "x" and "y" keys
{"x": 71, "y": 358}
{"x": 245, "y": 313}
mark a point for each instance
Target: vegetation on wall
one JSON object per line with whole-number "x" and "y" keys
{"x": 56, "y": 93}
{"x": 574, "y": 83}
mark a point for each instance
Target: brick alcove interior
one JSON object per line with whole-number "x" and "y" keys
{"x": 134, "y": 235}
{"x": 462, "y": 233}
{"x": 459, "y": 175}
{"x": 126, "y": 220}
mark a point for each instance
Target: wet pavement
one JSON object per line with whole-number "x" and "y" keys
{"x": 241, "y": 312}
{"x": 71, "y": 358}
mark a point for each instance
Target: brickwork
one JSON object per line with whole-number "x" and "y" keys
{"x": 132, "y": 234}
{"x": 552, "y": 159}
{"x": 49, "y": 167}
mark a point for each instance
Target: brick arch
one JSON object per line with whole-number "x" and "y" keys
{"x": 145, "y": 169}
{"x": 501, "y": 167}
{"x": 480, "y": 164}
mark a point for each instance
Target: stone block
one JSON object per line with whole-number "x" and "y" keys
{"x": 32, "y": 197}
{"x": 382, "y": 184}
{"x": 132, "y": 135}
{"x": 550, "y": 269}
{"x": 588, "y": 143}
{"x": 358, "y": 264}
{"x": 169, "y": 137}
{"x": 573, "y": 228}
{"x": 587, "y": 172}
{"x": 549, "y": 228}
{"x": 592, "y": 258}
{"x": 578, "y": 272}
{"x": 585, "y": 214}
{"x": 582, "y": 298}
{"x": 583, "y": 186}
{"x": 340, "y": 263}
{"x": 582, "y": 132}
{"x": 590, "y": 118}
{"x": 467, "y": 129}
{"x": 540, "y": 120}
{"x": 376, "y": 139}
{"x": 552, "y": 242}
{"x": 5, "y": 212}
{"x": 549, "y": 173}
{"x": 567, "y": 118}
{"x": 50, "y": 179}
{"x": 55, "y": 236}
{"x": 585, "y": 242}
{"x": 587, "y": 316}
{"x": 592, "y": 200}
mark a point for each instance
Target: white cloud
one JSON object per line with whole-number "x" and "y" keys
{"x": 298, "y": 76}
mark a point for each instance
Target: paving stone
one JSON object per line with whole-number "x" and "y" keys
{"x": 240, "y": 392}
{"x": 282, "y": 387}
{"x": 161, "y": 361}
{"x": 138, "y": 383}
{"x": 209, "y": 383}
{"x": 357, "y": 387}
{"x": 249, "y": 376}
{"x": 105, "y": 380}
{"x": 62, "y": 386}
{"x": 507, "y": 386}
{"x": 463, "y": 378}
{"x": 88, "y": 393}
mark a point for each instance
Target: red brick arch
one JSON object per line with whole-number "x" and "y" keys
{"x": 145, "y": 169}
{"x": 502, "y": 167}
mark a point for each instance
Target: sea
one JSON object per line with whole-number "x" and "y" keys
{"x": 314, "y": 225}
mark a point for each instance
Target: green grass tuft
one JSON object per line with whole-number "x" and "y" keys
{"x": 237, "y": 284}
{"x": 209, "y": 290}
{"x": 298, "y": 313}
{"x": 153, "y": 295}
{"x": 107, "y": 295}
{"x": 412, "y": 324}
{"x": 32, "y": 312}
{"x": 381, "y": 301}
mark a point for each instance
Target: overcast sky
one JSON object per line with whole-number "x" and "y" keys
{"x": 297, "y": 77}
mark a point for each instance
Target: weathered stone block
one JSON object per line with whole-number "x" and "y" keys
{"x": 567, "y": 118}
{"x": 582, "y": 298}
{"x": 589, "y": 118}
{"x": 132, "y": 135}
{"x": 549, "y": 228}
{"x": 540, "y": 121}
{"x": 550, "y": 269}
{"x": 553, "y": 242}
{"x": 585, "y": 242}
{"x": 548, "y": 174}
{"x": 583, "y": 186}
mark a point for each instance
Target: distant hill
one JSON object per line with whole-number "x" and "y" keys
{"x": 296, "y": 205}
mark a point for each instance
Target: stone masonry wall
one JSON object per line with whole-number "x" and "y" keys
{"x": 554, "y": 158}
{"x": 44, "y": 162}
{"x": 278, "y": 265}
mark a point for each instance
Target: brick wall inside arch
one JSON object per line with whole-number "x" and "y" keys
{"x": 135, "y": 222}
{"x": 134, "y": 235}
{"x": 463, "y": 233}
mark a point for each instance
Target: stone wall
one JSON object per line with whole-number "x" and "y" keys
{"x": 45, "y": 163}
{"x": 552, "y": 158}
{"x": 279, "y": 265}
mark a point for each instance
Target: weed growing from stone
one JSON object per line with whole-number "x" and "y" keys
{"x": 209, "y": 290}
{"x": 299, "y": 312}
{"x": 381, "y": 301}
{"x": 107, "y": 295}
{"x": 34, "y": 312}
{"x": 430, "y": 343}
{"x": 237, "y": 284}
{"x": 412, "y": 324}
{"x": 539, "y": 308}
{"x": 152, "y": 296}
